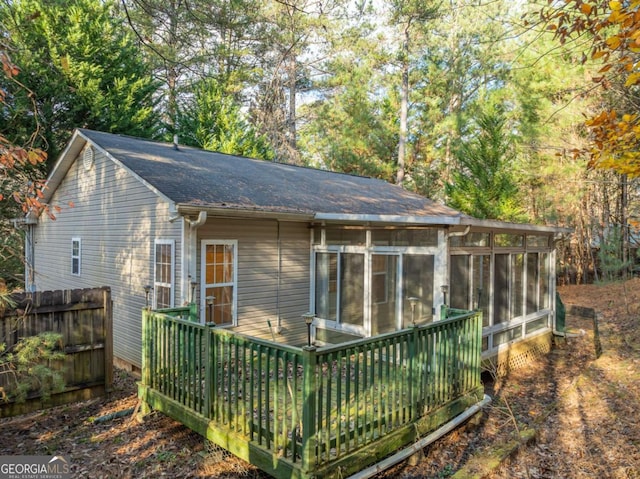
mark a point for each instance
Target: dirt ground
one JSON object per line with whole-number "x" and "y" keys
{"x": 585, "y": 411}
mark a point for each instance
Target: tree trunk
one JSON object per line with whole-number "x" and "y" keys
{"x": 404, "y": 109}
{"x": 291, "y": 117}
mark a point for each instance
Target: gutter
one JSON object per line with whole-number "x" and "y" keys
{"x": 240, "y": 213}
{"x": 195, "y": 224}
{"x": 422, "y": 443}
{"x": 410, "y": 220}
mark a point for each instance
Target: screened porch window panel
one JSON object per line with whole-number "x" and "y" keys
{"x": 417, "y": 282}
{"x": 352, "y": 289}
{"x": 459, "y": 282}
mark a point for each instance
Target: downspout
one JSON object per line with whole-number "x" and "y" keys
{"x": 202, "y": 219}
{"x": 465, "y": 232}
{"x": 279, "y": 273}
{"x": 192, "y": 249}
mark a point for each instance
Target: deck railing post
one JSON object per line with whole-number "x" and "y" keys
{"x": 309, "y": 389}
{"x": 477, "y": 351}
{"x": 146, "y": 347}
{"x": 209, "y": 365}
{"x": 147, "y": 344}
{"x": 414, "y": 372}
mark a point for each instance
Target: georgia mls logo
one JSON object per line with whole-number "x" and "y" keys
{"x": 34, "y": 467}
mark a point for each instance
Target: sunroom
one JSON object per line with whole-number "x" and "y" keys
{"x": 370, "y": 280}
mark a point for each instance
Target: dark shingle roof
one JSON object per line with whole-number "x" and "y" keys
{"x": 190, "y": 176}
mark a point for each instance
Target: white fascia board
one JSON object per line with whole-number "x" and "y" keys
{"x": 60, "y": 169}
{"x": 392, "y": 219}
{"x": 503, "y": 225}
{"x": 231, "y": 212}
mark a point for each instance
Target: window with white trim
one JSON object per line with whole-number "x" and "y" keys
{"x": 164, "y": 265}
{"x": 219, "y": 277}
{"x": 370, "y": 282}
{"x": 76, "y": 256}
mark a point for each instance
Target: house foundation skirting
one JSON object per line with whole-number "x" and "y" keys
{"x": 519, "y": 354}
{"x": 349, "y": 464}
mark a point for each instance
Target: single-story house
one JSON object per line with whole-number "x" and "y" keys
{"x": 256, "y": 245}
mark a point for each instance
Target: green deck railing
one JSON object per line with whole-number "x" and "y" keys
{"x": 309, "y": 407}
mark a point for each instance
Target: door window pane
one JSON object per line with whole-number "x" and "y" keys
{"x": 219, "y": 291}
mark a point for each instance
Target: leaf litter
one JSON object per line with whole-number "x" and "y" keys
{"x": 583, "y": 408}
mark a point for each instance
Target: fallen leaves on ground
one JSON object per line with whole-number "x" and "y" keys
{"x": 585, "y": 411}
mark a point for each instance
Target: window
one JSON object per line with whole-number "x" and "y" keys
{"x": 380, "y": 278}
{"x": 76, "y": 256}
{"x": 460, "y": 288}
{"x": 384, "y": 293}
{"x": 219, "y": 259}
{"x": 373, "y": 281}
{"x": 417, "y": 282}
{"x": 532, "y": 283}
{"x": 470, "y": 277}
{"x": 501, "y": 285}
{"x": 327, "y": 285}
{"x": 517, "y": 285}
{"x": 509, "y": 240}
{"x": 545, "y": 288}
{"x": 340, "y": 236}
{"x": 470, "y": 240}
{"x": 538, "y": 241}
{"x": 352, "y": 289}
{"x": 340, "y": 287}
{"x": 163, "y": 274}
{"x": 419, "y": 237}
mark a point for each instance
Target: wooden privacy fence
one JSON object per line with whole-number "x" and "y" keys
{"x": 306, "y": 412}
{"x": 83, "y": 317}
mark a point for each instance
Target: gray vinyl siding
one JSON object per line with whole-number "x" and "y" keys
{"x": 117, "y": 219}
{"x": 261, "y": 296}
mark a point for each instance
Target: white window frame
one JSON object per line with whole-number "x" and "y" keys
{"x": 77, "y": 256}
{"x": 204, "y": 285}
{"x": 171, "y": 283}
{"x": 369, "y": 250}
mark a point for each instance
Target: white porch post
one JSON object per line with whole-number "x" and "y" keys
{"x": 440, "y": 271}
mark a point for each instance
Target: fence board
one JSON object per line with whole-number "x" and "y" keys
{"x": 83, "y": 317}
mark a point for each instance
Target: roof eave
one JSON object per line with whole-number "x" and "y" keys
{"x": 60, "y": 169}
{"x": 235, "y": 212}
{"x": 506, "y": 226}
{"x": 416, "y": 220}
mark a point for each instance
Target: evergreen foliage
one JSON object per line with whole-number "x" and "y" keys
{"x": 81, "y": 67}
{"x": 28, "y": 367}
{"x": 483, "y": 183}
{"x": 213, "y": 121}
{"x": 612, "y": 265}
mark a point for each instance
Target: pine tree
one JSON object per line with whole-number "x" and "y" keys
{"x": 483, "y": 184}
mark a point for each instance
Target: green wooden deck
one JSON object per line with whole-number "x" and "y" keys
{"x": 306, "y": 412}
